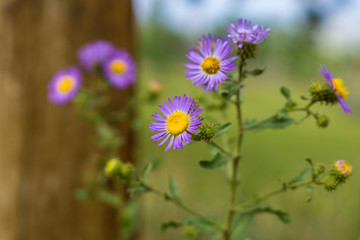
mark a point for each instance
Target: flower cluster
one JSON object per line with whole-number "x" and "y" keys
{"x": 115, "y": 64}
{"x": 340, "y": 171}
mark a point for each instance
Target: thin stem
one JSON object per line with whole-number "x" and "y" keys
{"x": 235, "y": 162}
{"x": 220, "y": 148}
{"x": 184, "y": 207}
{"x": 272, "y": 193}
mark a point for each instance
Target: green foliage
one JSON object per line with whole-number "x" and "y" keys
{"x": 223, "y": 129}
{"x": 301, "y": 177}
{"x": 173, "y": 189}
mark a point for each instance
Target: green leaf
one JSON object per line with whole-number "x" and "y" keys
{"x": 256, "y": 72}
{"x": 278, "y": 121}
{"x": 173, "y": 189}
{"x": 147, "y": 169}
{"x": 285, "y": 92}
{"x": 170, "y": 224}
{"x": 309, "y": 189}
{"x": 138, "y": 189}
{"x": 108, "y": 197}
{"x": 217, "y": 161}
{"x": 82, "y": 194}
{"x": 222, "y": 129}
{"x": 301, "y": 177}
{"x": 242, "y": 225}
{"x": 199, "y": 223}
{"x": 258, "y": 208}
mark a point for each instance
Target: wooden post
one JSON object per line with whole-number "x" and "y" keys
{"x": 44, "y": 148}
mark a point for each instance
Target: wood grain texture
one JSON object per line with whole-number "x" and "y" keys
{"x": 44, "y": 148}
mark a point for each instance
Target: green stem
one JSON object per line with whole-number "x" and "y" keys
{"x": 235, "y": 162}
{"x": 220, "y": 148}
{"x": 187, "y": 209}
{"x": 272, "y": 193}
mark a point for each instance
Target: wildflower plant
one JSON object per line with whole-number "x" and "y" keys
{"x": 219, "y": 66}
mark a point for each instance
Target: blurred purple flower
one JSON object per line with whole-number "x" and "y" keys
{"x": 119, "y": 68}
{"x": 64, "y": 85}
{"x": 93, "y": 54}
{"x": 244, "y": 32}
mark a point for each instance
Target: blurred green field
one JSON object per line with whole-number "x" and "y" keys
{"x": 267, "y": 156}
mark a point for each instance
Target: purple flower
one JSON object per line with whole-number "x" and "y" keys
{"x": 181, "y": 119}
{"x": 244, "y": 32}
{"x": 212, "y": 38}
{"x": 94, "y": 53}
{"x": 119, "y": 68}
{"x": 64, "y": 85}
{"x": 337, "y": 85}
{"x": 210, "y": 64}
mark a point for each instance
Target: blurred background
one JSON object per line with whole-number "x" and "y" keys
{"x": 44, "y": 149}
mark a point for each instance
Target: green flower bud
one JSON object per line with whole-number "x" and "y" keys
{"x": 113, "y": 167}
{"x": 322, "y": 121}
{"x": 127, "y": 170}
{"x": 320, "y": 169}
{"x": 247, "y": 51}
{"x": 321, "y": 92}
{"x": 330, "y": 184}
{"x": 189, "y": 232}
{"x": 206, "y": 132}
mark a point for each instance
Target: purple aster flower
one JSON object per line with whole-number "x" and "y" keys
{"x": 212, "y": 38}
{"x": 209, "y": 64}
{"x": 64, "y": 85}
{"x": 244, "y": 32}
{"x": 181, "y": 119}
{"x": 94, "y": 53}
{"x": 119, "y": 68}
{"x": 337, "y": 85}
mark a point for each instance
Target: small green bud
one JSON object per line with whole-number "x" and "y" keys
{"x": 189, "y": 232}
{"x": 113, "y": 167}
{"x": 321, "y": 92}
{"x": 247, "y": 51}
{"x": 320, "y": 169}
{"x": 330, "y": 184}
{"x": 322, "y": 121}
{"x": 127, "y": 170}
{"x": 207, "y": 132}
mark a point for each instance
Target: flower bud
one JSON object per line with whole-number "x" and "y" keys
{"x": 127, "y": 170}
{"x": 322, "y": 121}
{"x": 206, "y": 132}
{"x": 320, "y": 169}
{"x": 113, "y": 167}
{"x": 189, "y": 232}
{"x": 330, "y": 184}
{"x": 321, "y": 92}
{"x": 247, "y": 51}
{"x": 155, "y": 86}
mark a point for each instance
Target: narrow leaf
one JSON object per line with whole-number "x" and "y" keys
{"x": 222, "y": 129}
{"x": 217, "y": 161}
{"x": 301, "y": 177}
{"x": 256, "y": 71}
{"x": 309, "y": 189}
{"x": 147, "y": 169}
{"x": 173, "y": 188}
{"x": 170, "y": 224}
{"x": 285, "y": 92}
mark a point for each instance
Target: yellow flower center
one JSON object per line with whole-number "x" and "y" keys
{"x": 118, "y": 66}
{"x": 66, "y": 84}
{"x": 340, "y": 88}
{"x": 210, "y": 65}
{"x": 177, "y": 123}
